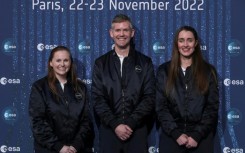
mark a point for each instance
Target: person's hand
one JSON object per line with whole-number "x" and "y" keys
{"x": 72, "y": 149}
{"x": 129, "y": 130}
{"x": 123, "y": 132}
{"x": 65, "y": 149}
{"x": 191, "y": 143}
{"x": 182, "y": 140}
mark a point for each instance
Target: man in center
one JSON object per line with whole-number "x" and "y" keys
{"x": 123, "y": 92}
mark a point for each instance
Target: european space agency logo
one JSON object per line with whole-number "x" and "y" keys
{"x": 5, "y": 148}
{"x": 87, "y": 81}
{"x": 232, "y": 150}
{"x": 5, "y": 81}
{"x": 9, "y": 47}
{"x": 235, "y": 48}
{"x": 153, "y": 149}
{"x": 203, "y": 47}
{"x": 159, "y": 47}
{"x": 41, "y": 47}
{"x": 10, "y": 115}
{"x": 234, "y": 116}
{"x": 84, "y": 47}
{"x": 228, "y": 82}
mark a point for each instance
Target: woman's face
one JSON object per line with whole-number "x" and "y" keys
{"x": 61, "y": 63}
{"x": 186, "y": 43}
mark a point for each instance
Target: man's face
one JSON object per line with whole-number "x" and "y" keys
{"x": 121, "y": 33}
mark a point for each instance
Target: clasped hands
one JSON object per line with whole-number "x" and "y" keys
{"x": 189, "y": 142}
{"x": 68, "y": 149}
{"x": 123, "y": 132}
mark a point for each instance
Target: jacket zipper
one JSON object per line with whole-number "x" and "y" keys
{"x": 186, "y": 86}
{"x": 123, "y": 100}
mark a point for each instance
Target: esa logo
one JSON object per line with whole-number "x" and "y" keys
{"x": 159, "y": 47}
{"x": 9, "y": 46}
{"x": 84, "y": 47}
{"x": 5, "y": 148}
{"x": 228, "y": 82}
{"x": 4, "y": 81}
{"x": 233, "y": 150}
{"x": 42, "y": 47}
{"x": 10, "y": 115}
{"x": 234, "y": 48}
{"x": 203, "y": 47}
{"x": 234, "y": 116}
{"x": 153, "y": 149}
{"x": 87, "y": 81}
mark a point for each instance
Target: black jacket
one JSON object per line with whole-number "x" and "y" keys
{"x": 58, "y": 122}
{"x": 186, "y": 110}
{"x": 127, "y": 99}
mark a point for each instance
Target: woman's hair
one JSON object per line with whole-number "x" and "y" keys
{"x": 71, "y": 74}
{"x": 198, "y": 64}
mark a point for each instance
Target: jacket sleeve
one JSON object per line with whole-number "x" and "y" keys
{"x": 100, "y": 101}
{"x": 210, "y": 114}
{"x": 164, "y": 115}
{"x": 42, "y": 132}
{"x": 85, "y": 133}
{"x": 145, "y": 108}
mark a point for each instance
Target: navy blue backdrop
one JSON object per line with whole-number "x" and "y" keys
{"x": 29, "y": 29}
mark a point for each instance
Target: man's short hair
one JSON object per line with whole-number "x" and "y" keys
{"x": 121, "y": 18}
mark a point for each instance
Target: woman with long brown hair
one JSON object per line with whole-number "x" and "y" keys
{"x": 187, "y": 97}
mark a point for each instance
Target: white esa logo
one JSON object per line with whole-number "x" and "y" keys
{"x": 42, "y": 47}
{"x": 153, "y": 149}
{"x": 228, "y": 82}
{"x": 233, "y": 150}
{"x": 4, "y": 81}
{"x": 5, "y": 148}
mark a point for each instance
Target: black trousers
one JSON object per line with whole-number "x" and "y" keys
{"x": 110, "y": 143}
{"x": 39, "y": 149}
{"x": 168, "y": 145}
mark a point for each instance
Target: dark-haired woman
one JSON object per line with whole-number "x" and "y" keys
{"x": 187, "y": 98}
{"x": 58, "y": 108}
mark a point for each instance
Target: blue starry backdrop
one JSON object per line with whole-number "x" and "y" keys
{"x": 29, "y": 29}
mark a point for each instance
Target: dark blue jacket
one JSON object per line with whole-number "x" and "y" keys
{"x": 123, "y": 99}
{"x": 58, "y": 121}
{"x": 186, "y": 110}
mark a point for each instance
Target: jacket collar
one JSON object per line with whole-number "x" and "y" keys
{"x": 130, "y": 54}
{"x": 131, "y": 60}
